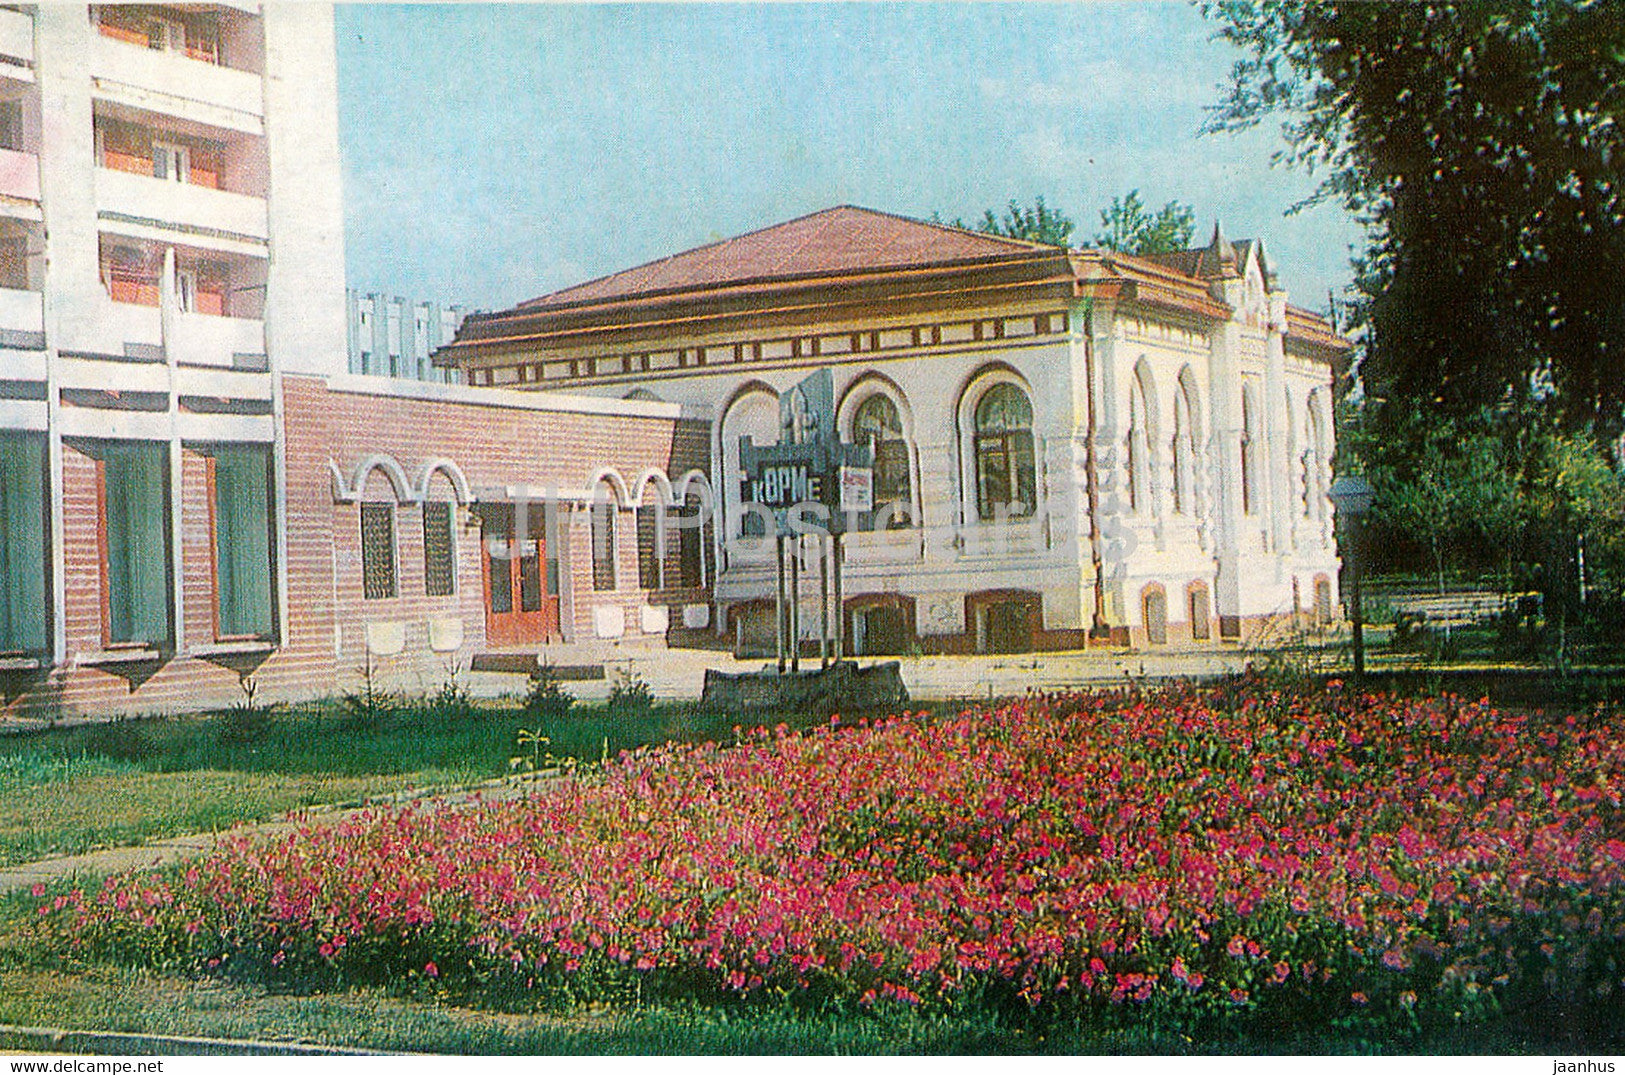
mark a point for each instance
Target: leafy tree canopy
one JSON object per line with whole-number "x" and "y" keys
{"x": 1481, "y": 142}
{"x": 1128, "y": 227}
{"x": 1038, "y": 224}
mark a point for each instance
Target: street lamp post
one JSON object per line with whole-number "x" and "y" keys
{"x": 1352, "y": 496}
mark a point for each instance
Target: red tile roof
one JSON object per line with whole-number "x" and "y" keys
{"x": 840, "y": 240}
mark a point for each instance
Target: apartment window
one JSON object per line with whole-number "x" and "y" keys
{"x": 240, "y": 494}
{"x": 171, "y": 161}
{"x": 378, "y": 550}
{"x": 11, "y": 125}
{"x": 651, "y": 546}
{"x": 130, "y": 275}
{"x": 166, "y": 35}
{"x": 603, "y": 540}
{"x": 133, "y": 489}
{"x": 439, "y": 552}
{"x": 196, "y": 38}
{"x": 14, "y": 262}
{"x": 1005, "y": 478}
{"x": 22, "y": 543}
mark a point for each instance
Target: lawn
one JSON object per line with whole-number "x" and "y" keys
{"x": 69, "y": 790}
{"x": 1238, "y": 869}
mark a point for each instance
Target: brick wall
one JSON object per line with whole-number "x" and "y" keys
{"x": 326, "y": 617}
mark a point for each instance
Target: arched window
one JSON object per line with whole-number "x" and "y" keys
{"x": 1005, "y": 481}
{"x": 1314, "y": 464}
{"x": 1184, "y": 455}
{"x": 1249, "y": 452}
{"x": 877, "y": 420}
{"x": 604, "y": 509}
{"x": 754, "y": 413}
{"x": 1154, "y": 609}
{"x": 1139, "y": 450}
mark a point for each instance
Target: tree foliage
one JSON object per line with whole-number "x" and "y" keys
{"x": 1038, "y": 224}
{"x": 1480, "y": 141}
{"x": 1128, "y": 227}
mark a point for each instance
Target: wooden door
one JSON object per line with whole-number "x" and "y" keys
{"x": 519, "y": 607}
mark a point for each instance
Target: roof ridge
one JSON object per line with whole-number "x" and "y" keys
{"x": 858, "y": 231}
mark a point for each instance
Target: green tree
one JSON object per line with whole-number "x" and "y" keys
{"x": 1481, "y": 143}
{"x": 1038, "y": 224}
{"x": 1129, "y": 228}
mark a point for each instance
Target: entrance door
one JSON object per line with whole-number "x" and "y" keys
{"x": 521, "y": 605}
{"x": 1005, "y": 626}
{"x": 879, "y": 630}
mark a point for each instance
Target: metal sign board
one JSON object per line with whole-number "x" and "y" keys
{"x": 807, "y": 411}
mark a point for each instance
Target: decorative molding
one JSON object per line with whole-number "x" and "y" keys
{"x": 988, "y": 333}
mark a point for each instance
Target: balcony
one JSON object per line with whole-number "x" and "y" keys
{"x": 21, "y": 318}
{"x": 112, "y": 328}
{"x": 19, "y": 174}
{"x": 143, "y": 198}
{"x": 173, "y": 83}
{"x": 16, "y": 38}
{"x": 207, "y": 340}
{"x": 127, "y": 328}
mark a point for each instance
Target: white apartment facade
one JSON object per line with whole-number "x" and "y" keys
{"x": 196, "y": 491}
{"x": 394, "y": 337}
{"x": 150, "y": 172}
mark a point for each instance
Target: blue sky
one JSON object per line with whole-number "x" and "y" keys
{"x": 496, "y": 153}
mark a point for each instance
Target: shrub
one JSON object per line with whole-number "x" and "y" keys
{"x": 245, "y": 722}
{"x": 451, "y": 701}
{"x": 547, "y": 698}
{"x": 630, "y": 694}
{"x": 369, "y": 707}
{"x": 120, "y": 739}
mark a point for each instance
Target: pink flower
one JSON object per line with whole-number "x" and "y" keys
{"x": 431, "y": 970}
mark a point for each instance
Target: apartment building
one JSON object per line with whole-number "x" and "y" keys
{"x": 196, "y": 490}
{"x": 394, "y": 337}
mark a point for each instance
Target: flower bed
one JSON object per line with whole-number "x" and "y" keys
{"x": 1212, "y": 852}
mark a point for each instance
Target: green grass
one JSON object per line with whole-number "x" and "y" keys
{"x": 117, "y": 999}
{"x": 71, "y": 790}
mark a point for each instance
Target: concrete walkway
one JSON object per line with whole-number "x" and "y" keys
{"x": 679, "y": 674}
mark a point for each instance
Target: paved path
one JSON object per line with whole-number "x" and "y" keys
{"x": 679, "y": 674}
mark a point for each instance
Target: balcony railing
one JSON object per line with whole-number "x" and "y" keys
{"x": 175, "y": 75}
{"x": 186, "y": 204}
{"x": 19, "y": 174}
{"x": 17, "y": 37}
{"x": 202, "y": 340}
{"x": 20, "y": 311}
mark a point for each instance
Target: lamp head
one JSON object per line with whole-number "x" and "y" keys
{"x": 1351, "y": 495}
